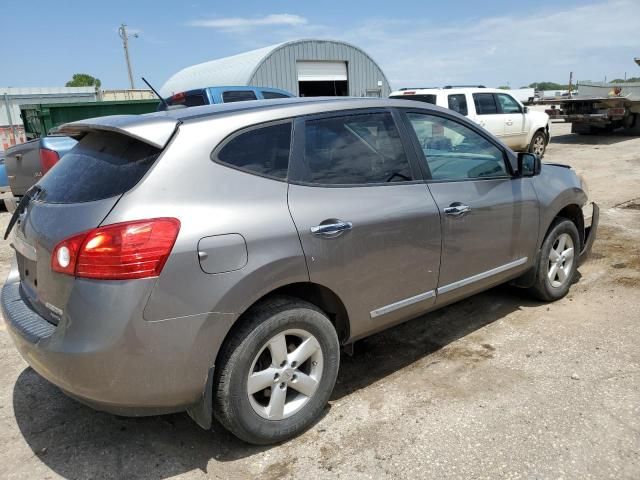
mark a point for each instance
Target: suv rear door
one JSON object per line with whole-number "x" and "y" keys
{"x": 489, "y": 218}
{"x": 369, "y": 228}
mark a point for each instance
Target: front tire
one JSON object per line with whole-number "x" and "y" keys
{"x": 538, "y": 143}
{"x": 558, "y": 261}
{"x": 276, "y": 372}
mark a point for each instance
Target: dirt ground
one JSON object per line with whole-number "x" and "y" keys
{"x": 497, "y": 386}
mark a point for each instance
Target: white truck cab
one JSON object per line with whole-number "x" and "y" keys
{"x": 493, "y": 109}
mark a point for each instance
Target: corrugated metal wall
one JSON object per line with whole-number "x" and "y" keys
{"x": 279, "y": 69}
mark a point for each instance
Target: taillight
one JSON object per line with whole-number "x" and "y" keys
{"x": 121, "y": 251}
{"x": 48, "y": 158}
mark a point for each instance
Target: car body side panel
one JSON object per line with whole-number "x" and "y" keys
{"x": 556, "y": 187}
{"x": 211, "y": 199}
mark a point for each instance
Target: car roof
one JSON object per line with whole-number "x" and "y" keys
{"x": 230, "y": 88}
{"x": 447, "y": 90}
{"x": 156, "y": 128}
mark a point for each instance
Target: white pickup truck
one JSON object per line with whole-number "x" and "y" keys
{"x": 496, "y": 110}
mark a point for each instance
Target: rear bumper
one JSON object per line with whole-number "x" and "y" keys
{"x": 108, "y": 356}
{"x": 590, "y": 233}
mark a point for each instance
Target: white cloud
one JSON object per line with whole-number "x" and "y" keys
{"x": 233, "y": 23}
{"x": 592, "y": 40}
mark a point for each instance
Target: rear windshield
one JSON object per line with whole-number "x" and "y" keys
{"x": 417, "y": 98}
{"x": 101, "y": 165}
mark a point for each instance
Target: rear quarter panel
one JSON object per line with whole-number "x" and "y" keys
{"x": 211, "y": 199}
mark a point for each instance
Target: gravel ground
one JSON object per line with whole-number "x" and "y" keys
{"x": 496, "y": 386}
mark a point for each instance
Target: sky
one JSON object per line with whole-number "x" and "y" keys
{"x": 416, "y": 43}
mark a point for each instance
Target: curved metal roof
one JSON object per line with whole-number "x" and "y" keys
{"x": 234, "y": 70}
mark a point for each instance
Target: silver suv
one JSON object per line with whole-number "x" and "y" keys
{"x": 214, "y": 259}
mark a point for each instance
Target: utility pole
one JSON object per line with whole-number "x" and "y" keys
{"x": 122, "y": 31}
{"x": 570, "y": 83}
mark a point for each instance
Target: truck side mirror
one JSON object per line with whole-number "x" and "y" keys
{"x": 526, "y": 109}
{"x": 529, "y": 164}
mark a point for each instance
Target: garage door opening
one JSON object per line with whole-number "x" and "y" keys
{"x": 324, "y": 89}
{"x": 322, "y": 78}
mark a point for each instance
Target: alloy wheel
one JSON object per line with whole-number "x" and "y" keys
{"x": 561, "y": 258}
{"x": 538, "y": 145}
{"x": 285, "y": 374}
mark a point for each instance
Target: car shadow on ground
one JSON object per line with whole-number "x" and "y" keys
{"x": 598, "y": 139}
{"x": 77, "y": 442}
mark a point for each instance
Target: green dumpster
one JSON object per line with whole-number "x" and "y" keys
{"x": 40, "y": 119}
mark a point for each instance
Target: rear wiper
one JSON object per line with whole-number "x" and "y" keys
{"x": 22, "y": 206}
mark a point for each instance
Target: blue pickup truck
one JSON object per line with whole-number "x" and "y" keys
{"x": 228, "y": 94}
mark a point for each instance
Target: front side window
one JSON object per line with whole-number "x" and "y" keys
{"x": 508, "y": 104}
{"x": 485, "y": 103}
{"x": 354, "y": 149}
{"x": 238, "y": 96}
{"x": 454, "y": 151}
{"x": 263, "y": 150}
{"x": 458, "y": 103}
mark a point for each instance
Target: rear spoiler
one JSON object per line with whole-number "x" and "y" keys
{"x": 153, "y": 129}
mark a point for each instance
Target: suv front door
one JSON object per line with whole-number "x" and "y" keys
{"x": 368, "y": 225}
{"x": 515, "y": 132}
{"x": 489, "y": 218}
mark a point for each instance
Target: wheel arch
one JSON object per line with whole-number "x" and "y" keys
{"x": 571, "y": 212}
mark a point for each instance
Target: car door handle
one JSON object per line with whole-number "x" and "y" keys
{"x": 457, "y": 209}
{"x": 509, "y": 122}
{"x": 331, "y": 229}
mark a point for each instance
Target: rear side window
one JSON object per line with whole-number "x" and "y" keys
{"x": 190, "y": 100}
{"x": 263, "y": 150}
{"x": 458, "y": 103}
{"x": 354, "y": 149}
{"x": 418, "y": 98}
{"x": 485, "y": 103}
{"x": 101, "y": 165}
{"x": 238, "y": 96}
{"x": 272, "y": 95}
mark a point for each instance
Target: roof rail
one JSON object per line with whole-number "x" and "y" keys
{"x": 463, "y": 86}
{"x": 415, "y": 88}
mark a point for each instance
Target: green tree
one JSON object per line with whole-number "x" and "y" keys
{"x": 548, "y": 86}
{"x": 83, "y": 80}
{"x": 505, "y": 87}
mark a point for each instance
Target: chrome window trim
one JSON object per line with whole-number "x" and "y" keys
{"x": 481, "y": 276}
{"x": 402, "y": 303}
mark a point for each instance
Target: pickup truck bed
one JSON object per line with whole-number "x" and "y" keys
{"x": 27, "y": 162}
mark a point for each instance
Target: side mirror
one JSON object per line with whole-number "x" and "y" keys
{"x": 529, "y": 164}
{"x": 526, "y": 109}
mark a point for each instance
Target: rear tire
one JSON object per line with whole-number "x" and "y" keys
{"x": 558, "y": 261}
{"x": 259, "y": 385}
{"x": 538, "y": 143}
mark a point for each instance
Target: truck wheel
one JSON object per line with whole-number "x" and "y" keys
{"x": 276, "y": 372}
{"x": 538, "y": 143}
{"x": 558, "y": 261}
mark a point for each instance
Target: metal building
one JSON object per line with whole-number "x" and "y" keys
{"x": 302, "y": 67}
